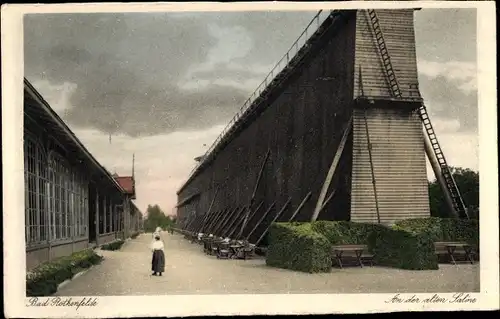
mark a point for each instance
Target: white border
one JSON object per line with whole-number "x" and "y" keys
{"x": 190, "y": 305}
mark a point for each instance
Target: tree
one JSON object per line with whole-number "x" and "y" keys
{"x": 467, "y": 182}
{"x": 155, "y": 217}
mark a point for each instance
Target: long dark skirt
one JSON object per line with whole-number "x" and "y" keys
{"x": 158, "y": 261}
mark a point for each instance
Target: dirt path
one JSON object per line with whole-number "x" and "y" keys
{"x": 190, "y": 271}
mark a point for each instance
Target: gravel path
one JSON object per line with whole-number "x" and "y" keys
{"x": 190, "y": 271}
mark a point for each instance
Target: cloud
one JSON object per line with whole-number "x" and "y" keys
{"x": 162, "y": 162}
{"x": 450, "y": 91}
{"x": 462, "y": 74}
{"x": 133, "y": 71}
{"x": 444, "y": 34}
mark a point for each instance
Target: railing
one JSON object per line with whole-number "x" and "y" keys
{"x": 316, "y": 21}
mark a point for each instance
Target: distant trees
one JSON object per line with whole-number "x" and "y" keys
{"x": 155, "y": 217}
{"x": 467, "y": 181}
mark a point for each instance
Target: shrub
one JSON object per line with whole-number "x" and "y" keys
{"x": 402, "y": 249}
{"x": 393, "y": 248}
{"x": 298, "y": 247}
{"x": 114, "y": 245}
{"x": 444, "y": 229}
{"x": 43, "y": 280}
{"x": 343, "y": 232}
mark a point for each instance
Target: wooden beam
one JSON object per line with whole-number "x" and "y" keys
{"x": 259, "y": 177}
{"x": 274, "y": 219}
{"x": 228, "y": 229}
{"x": 328, "y": 199}
{"x": 211, "y": 220}
{"x": 247, "y": 219}
{"x": 252, "y": 198}
{"x": 223, "y": 230}
{"x": 219, "y": 219}
{"x": 308, "y": 196}
{"x": 260, "y": 220}
{"x": 209, "y": 210}
{"x": 331, "y": 171}
{"x": 224, "y": 221}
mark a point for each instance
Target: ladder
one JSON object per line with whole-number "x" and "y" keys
{"x": 386, "y": 59}
{"x": 458, "y": 203}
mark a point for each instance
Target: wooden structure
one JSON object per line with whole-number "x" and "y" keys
{"x": 333, "y": 133}
{"x": 71, "y": 201}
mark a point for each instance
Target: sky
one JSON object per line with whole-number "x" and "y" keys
{"x": 165, "y": 84}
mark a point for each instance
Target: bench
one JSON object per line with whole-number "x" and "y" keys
{"x": 453, "y": 250}
{"x": 360, "y": 252}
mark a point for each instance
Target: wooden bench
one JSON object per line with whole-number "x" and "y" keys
{"x": 454, "y": 249}
{"x": 360, "y": 252}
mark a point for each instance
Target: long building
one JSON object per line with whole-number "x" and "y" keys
{"x": 336, "y": 134}
{"x": 71, "y": 201}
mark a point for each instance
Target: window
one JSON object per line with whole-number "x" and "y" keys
{"x": 68, "y": 205}
{"x": 35, "y": 183}
{"x": 109, "y": 208}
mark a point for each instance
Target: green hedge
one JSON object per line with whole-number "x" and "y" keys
{"x": 114, "y": 245}
{"x": 402, "y": 249}
{"x": 345, "y": 233}
{"x": 409, "y": 244}
{"x": 44, "y": 279}
{"x": 444, "y": 229}
{"x": 391, "y": 247}
{"x": 298, "y": 247}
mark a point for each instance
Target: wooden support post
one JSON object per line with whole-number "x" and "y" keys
{"x": 300, "y": 206}
{"x": 252, "y": 198}
{"x": 369, "y": 144}
{"x": 260, "y": 220}
{"x": 213, "y": 220}
{"x": 224, "y": 220}
{"x": 272, "y": 221}
{"x": 220, "y": 216}
{"x": 247, "y": 219}
{"x": 200, "y": 229}
{"x": 331, "y": 171}
{"x": 236, "y": 220}
{"x": 231, "y": 217}
{"x": 219, "y": 220}
{"x": 206, "y": 218}
{"x": 259, "y": 176}
{"x": 189, "y": 221}
{"x": 327, "y": 200}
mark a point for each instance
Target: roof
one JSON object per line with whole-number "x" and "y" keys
{"x": 126, "y": 182}
{"x": 40, "y": 108}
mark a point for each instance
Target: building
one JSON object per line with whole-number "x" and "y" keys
{"x": 335, "y": 134}
{"x": 71, "y": 201}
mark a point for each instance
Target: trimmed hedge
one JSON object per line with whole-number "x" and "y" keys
{"x": 402, "y": 249}
{"x": 391, "y": 247}
{"x": 444, "y": 229}
{"x": 409, "y": 244}
{"x": 298, "y": 247}
{"x": 345, "y": 233}
{"x": 44, "y": 279}
{"x": 114, "y": 245}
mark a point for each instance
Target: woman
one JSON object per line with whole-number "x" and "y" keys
{"x": 157, "y": 232}
{"x": 158, "y": 261}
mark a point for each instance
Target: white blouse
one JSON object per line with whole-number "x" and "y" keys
{"x": 157, "y": 245}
